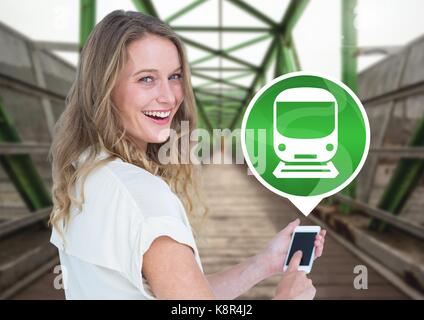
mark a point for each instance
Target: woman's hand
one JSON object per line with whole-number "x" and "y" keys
{"x": 294, "y": 284}
{"x": 274, "y": 255}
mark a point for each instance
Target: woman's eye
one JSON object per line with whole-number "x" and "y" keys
{"x": 176, "y": 76}
{"x": 147, "y": 79}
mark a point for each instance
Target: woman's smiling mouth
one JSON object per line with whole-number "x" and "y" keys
{"x": 158, "y": 116}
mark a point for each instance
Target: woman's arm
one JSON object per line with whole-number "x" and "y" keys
{"x": 233, "y": 282}
{"x": 173, "y": 273}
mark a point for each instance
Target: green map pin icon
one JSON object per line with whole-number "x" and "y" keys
{"x": 305, "y": 137}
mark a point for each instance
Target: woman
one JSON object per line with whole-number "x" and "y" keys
{"x": 119, "y": 217}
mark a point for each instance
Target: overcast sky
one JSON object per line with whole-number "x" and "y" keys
{"x": 317, "y": 35}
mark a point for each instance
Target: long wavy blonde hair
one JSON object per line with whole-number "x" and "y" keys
{"x": 92, "y": 120}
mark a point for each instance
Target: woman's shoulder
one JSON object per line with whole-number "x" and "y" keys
{"x": 121, "y": 183}
{"x": 141, "y": 185}
{"x": 120, "y": 174}
{"x": 130, "y": 174}
{"x": 117, "y": 187}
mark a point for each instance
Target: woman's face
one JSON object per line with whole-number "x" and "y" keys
{"x": 149, "y": 89}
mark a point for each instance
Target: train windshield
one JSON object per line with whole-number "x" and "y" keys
{"x": 305, "y": 119}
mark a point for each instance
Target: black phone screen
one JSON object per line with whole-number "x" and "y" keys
{"x": 302, "y": 241}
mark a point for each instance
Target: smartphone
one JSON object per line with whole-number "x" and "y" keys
{"x": 303, "y": 239}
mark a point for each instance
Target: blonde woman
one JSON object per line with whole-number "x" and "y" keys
{"x": 119, "y": 218}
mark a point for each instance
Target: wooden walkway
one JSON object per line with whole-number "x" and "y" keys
{"x": 244, "y": 217}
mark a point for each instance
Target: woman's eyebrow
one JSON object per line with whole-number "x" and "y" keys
{"x": 144, "y": 70}
{"x": 152, "y": 70}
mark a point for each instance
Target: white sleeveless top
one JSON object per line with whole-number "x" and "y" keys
{"x": 125, "y": 209}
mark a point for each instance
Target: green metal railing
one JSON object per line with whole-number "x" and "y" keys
{"x": 405, "y": 178}
{"x": 20, "y": 168}
{"x": 87, "y": 20}
{"x": 349, "y": 68}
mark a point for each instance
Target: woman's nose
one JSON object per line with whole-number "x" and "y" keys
{"x": 166, "y": 94}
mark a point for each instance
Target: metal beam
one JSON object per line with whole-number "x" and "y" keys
{"x": 349, "y": 45}
{"x": 29, "y": 89}
{"x": 278, "y": 59}
{"x": 222, "y": 111}
{"x": 228, "y": 83}
{"x": 291, "y": 16}
{"x": 399, "y": 152}
{"x": 146, "y": 7}
{"x": 87, "y": 20}
{"x": 253, "y": 12}
{"x": 218, "y": 95}
{"x": 224, "y": 69}
{"x": 239, "y": 75}
{"x": 399, "y": 222}
{"x": 232, "y": 91}
{"x": 402, "y": 93}
{"x": 220, "y": 29}
{"x": 227, "y": 112}
{"x": 378, "y": 141}
{"x": 215, "y": 102}
{"x": 206, "y": 85}
{"x": 203, "y": 114}
{"x": 9, "y": 227}
{"x": 371, "y": 50}
{"x": 9, "y": 148}
{"x": 21, "y": 169}
{"x": 220, "y": 46}
{"x": 216, "y": 52}
{"x": 216, "y": 107}
{"x": 294, "y": 53}
{"x": 403, "y": 181}
{"x": 184, "y": 10}
{"x": 58, "y": 46}
{"x": 349, "y": 66}
{"x": 233, "y": 77}
{"x": 233, "y": 48}
{"x": 41, "y": 81}
{"x": 287, "y": 60}
{"x": 209, "y": 101}
{"x": 365, "y": 191}
{"x": 265, "y": 63}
